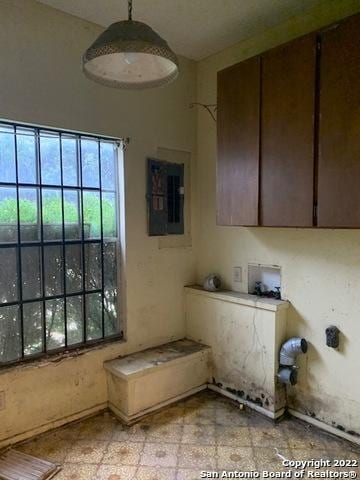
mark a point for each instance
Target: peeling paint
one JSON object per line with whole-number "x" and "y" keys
{"x": 245, "y": 341}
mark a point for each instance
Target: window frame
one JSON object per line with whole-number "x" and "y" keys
{"x": 19, "y": 245}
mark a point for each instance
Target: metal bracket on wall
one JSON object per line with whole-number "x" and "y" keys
{"x": 125, "y": 142}
{"x": 210, "y": 107}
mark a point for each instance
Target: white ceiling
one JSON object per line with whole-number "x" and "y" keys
{"x": 193, "y": 28}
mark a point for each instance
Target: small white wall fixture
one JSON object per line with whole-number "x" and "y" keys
{"x": 245, "y": 334}
{"x": 268, "y": 275}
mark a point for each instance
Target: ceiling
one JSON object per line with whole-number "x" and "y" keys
{"x": 193, "y": 28}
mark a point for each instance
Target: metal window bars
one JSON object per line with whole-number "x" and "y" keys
{"x": 91, "y": 292}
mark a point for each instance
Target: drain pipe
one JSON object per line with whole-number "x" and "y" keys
{"x": 288, "y": 355}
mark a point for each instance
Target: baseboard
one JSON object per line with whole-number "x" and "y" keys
{"x": 133, "y": 418}
{"x": 252, "y": 405}
{"x": 325, "y": 426}
{"x": 130, "y": 419}
{"x": 20, "y": 437}
{"x": 294, "y": 413}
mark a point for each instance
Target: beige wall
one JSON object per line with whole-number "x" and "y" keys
{"x": 320, "y": 268}
{"x": 41, "y": 82}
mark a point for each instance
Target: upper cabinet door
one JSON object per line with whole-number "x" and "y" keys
{"x": 287, "y": 134}
{"x": 238, "y": 144}
{"x": 339, "y": 132}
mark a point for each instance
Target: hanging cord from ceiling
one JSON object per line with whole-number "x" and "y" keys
{"x": 130, "y": 8}
{"x": 210, "y": 107}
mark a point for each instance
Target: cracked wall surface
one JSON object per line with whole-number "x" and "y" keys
{"x": 244, "y": 341}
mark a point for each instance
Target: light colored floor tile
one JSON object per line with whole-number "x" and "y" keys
{"x": 231, "y": 418}
{"x": 200, "y": 416}
{"x": 86, "y": 451}
{"x": 199, "y": 434}
{"x": 267, "y": 458}
{"x": 135, "y": 433}
{"x": 159, "y": 455}
{"x": 240, "y": 458}
{"x": 301, "y": 436}
{"x": 165, "y": 433}
{"x": 115, "y": 472}
{"x": 153, "y": 473}
{"x": 72, "y": 471}
{"x": 197, "y": 456}
{"x": 268, "y": 437}
{"x": 123, "y": 453}
{"x": 233, "y": 436}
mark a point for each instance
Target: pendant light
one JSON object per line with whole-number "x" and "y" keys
{"x": 129, "y": 54}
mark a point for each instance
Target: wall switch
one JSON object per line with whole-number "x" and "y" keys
{"x": 2, "y": 400}
{"x": 237, "y": 274}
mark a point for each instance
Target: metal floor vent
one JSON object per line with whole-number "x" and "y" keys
{"x": 15, "y": 465}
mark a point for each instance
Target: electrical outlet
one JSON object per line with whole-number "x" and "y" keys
{"x": 237, "y": 274}
{"x": 2, "y": 400}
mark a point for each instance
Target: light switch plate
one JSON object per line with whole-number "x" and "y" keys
{"x": 2, "y": 400}
{"x": 237, "y": 274}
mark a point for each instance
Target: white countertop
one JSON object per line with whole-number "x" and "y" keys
{"x": 240, "y": 298}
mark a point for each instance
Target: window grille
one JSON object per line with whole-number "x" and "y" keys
{"x": 59, "y": 241}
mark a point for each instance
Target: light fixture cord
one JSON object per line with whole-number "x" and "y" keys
{"x": 130, "y": 9}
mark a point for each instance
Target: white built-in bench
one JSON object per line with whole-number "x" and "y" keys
{"x": 145, "y": 381}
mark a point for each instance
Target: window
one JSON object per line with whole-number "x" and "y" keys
{"x": 59, "y": 248}
{"x": 165, "y": 198}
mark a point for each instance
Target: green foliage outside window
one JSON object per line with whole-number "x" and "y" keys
{"x": 53, "y": 213}
{"x": 30, "y": 165}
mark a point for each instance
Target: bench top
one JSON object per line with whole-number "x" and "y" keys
{"x": 142, "y": 362}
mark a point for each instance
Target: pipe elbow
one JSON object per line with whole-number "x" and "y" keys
{"x": 287, "y": 375}
{"x": 291, "y": 349}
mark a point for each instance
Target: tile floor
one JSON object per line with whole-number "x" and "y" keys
{"x": 205, "y": 432}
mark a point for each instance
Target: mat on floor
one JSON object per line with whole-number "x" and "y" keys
{"x": 16, "y": 465}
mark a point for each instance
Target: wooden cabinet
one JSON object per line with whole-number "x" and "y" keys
{"x": 238, "y": 144}
{"x": 287, "y": 134}
{"x": 339, "y": 126}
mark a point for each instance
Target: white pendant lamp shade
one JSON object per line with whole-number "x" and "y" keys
{"x": 130, "y": 54}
